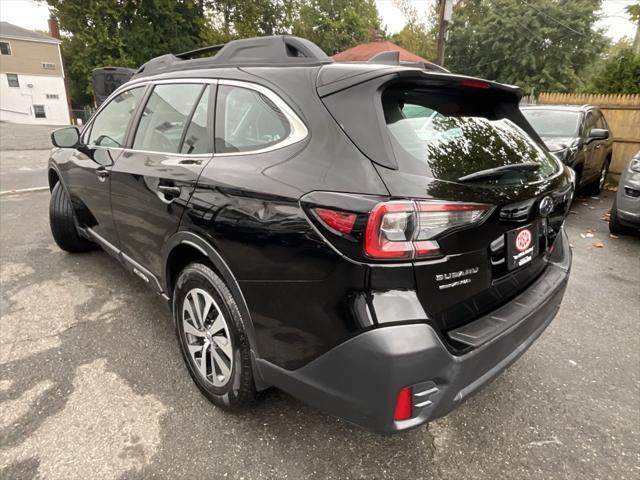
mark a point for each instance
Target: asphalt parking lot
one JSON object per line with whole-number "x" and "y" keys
{"x": 92, "y": 384}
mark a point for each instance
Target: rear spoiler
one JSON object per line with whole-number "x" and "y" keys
{"x": 331, "y": 81}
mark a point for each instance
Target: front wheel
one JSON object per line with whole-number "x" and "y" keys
{"x": 614, "y": 223}
{"x": 63, "y": 222}
{"x": 212, "y": 339}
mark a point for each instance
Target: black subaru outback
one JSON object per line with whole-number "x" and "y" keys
{"x": 376, "y": 239}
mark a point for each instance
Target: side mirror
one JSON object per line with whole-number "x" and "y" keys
{"x": 67, "y": 137}
{"x": 598, "y": 134}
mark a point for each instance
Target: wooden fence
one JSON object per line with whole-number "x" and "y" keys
{"x": 623, "y": 116}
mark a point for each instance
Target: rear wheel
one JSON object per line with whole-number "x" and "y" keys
{"x": 212, "y": 339}
{"x": 63, "y": 223}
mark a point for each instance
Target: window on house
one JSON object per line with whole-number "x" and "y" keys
{"x": 5, "y": 48}
{"x": 48, "y": 66}
{"x": 12, "y": 78}
{"x": 38, "y": 111}
{"x": 52, "y": 96}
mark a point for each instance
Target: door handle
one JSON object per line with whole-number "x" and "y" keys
{"x": 102, "y": 173}
{"x": 169, "y": 190}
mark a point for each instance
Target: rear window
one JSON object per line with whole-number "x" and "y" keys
{"x": 448, "y": 134}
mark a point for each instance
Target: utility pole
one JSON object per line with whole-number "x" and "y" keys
{"x": 445, "y": 10}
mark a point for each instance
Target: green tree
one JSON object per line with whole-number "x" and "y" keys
{"x": 336, "y": 25}
{"x": 123, "y": 33}
{"x": 541, "y": 45}
{"x": 619, "y": 72}
{"x": 418, "y": 35}
{"x": 249, "y": 18}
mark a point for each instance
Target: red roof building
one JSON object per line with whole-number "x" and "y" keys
{"x": 366, "y": 51}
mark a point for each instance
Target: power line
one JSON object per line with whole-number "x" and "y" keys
{"x": 554, "y": 19}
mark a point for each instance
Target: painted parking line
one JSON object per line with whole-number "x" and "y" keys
{"x": 18, "y": 191}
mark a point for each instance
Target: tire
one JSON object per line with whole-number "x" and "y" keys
{"x": 226, "y": 378}
{"x": 595, "y": 187}
{"x": 63, "y": 223}
{"x": 614, "y": 224}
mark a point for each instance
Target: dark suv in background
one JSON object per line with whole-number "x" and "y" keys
{"x": 579, "y": 136}
{"x": 378, "y": 240}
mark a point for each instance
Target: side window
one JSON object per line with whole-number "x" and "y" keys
{"x": 247, "y": 120}
{"x": 165, "y": 116}
{"x": 196, "y": 140}
{"x": 109, "y": 127}
{"x": 589, "y": 123}
{"x": 601, "y": 122}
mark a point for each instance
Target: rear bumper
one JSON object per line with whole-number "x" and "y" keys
{"x": 360, "y": 379}
{"x": 628, "y": 206}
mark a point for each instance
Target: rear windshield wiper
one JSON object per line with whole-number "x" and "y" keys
{"x": 499, "y": 171}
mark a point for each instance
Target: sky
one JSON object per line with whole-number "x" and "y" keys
{"x": 32, "y": 15}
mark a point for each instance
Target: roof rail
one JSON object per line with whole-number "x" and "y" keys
{"x": 388, "y": 58}
{"x": 392, "y": 57}
{"x": 199, "y": 51}
{"x": 281, "y": 50}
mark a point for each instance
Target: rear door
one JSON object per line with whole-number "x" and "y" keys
{"x": 154, "y": 178}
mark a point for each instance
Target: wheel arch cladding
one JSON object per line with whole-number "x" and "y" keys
{"x": 53, "y": 178}
{"x": 185, "y": 247}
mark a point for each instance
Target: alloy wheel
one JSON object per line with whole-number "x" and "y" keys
{"x": 207, "y": 337}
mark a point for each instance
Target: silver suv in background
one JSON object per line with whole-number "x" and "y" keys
{"x": 625, "y": 212}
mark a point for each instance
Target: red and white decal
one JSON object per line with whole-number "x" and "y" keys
{"x": 523, "y": 239}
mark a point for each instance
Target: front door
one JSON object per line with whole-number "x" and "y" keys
{"x": 87, "y": 174}
{"x": 152, "y": 181}
{"x": 591, "y": 151}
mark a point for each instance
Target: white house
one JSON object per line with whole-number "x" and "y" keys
{"x": 32, "y": 86}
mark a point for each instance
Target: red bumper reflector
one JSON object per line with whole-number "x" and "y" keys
{"x": 404, "y": 404}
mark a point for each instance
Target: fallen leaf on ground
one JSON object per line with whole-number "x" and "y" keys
{"x": 598, "y": 245}
{"x": 596, "y": 198}
{"x": 589, "y": 235}
{"x": 571, "y": 245}
{"x": 573, "y": 212}
{"x": 613, "y": 236}
{"x": 582, "y": 235}
{"x": 592, "y": 208}
{"x": 585, "y": 204}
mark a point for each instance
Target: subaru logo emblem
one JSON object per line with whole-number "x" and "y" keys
{"x": 546, "y": 206}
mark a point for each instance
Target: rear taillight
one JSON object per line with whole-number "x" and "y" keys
{"x": 406, "y": 229}
{"x": 340, "y": 222}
